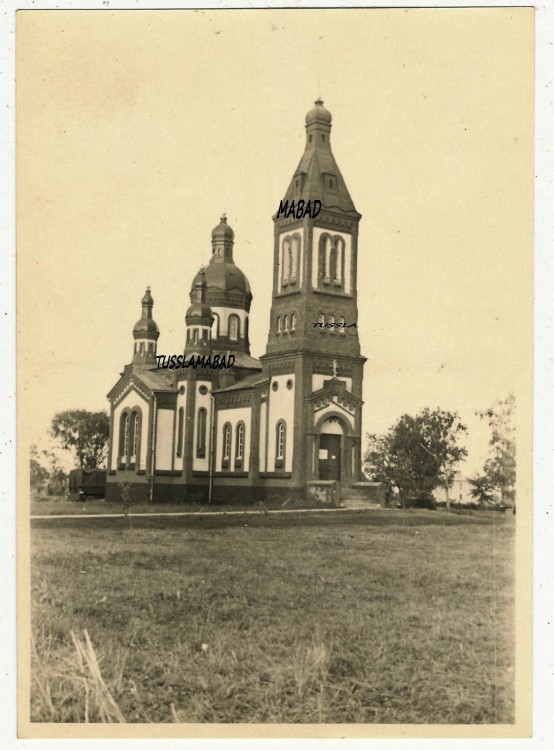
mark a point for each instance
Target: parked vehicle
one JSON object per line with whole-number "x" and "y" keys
{"x": 87, "y": 483}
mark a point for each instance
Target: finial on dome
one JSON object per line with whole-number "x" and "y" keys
{"x": 147, "y": 299}
{"x": 223, "y": 218}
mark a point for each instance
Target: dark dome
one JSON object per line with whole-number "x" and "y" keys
{"x": 318, "y": 113}
{"x": 199, "y": 310}
{"x": 225, "y": 276}
{"x": 223, "y": 231}
{"x": 146, "y": 325}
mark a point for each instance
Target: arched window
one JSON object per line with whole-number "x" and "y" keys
{"x": 280, "y": 441}
{"x": 124, "y": 437}
{"x": 332, "y": 321}
{"x": 233, "y": 327}
{"x": 278, "y": 324}
{"x": 239, "y": 444}
{"x": 293, "y": 322}
{"x": 215, "y": 326}
{"x": 339, "y": 262}
{"x": 226, "y": 445}
{"x": 286, "y": 323}
{"x": 321, "y": 318}
{"x": 201, "y": 432}
{"x": 341, "y": 321}
{"x": 180, "y": 425}
{"x": 195, "y": 336}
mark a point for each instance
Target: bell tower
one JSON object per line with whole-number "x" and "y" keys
{"x": 313, "y": 331}
{"x": 314, "y": 267}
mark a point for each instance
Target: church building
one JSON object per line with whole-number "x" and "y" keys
{"x": 264, "y": 427}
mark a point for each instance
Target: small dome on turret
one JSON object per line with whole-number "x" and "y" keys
{"x": 318, "y": 113}
{"x": 223, "y": 231}
{"x": 199, "y": 310}
{"x": 146, "y": 324}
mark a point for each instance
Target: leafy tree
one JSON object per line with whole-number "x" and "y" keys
{"x": 84, "y": 432}
{"x": 500, "y": 466}
{"x": 416, "y": 455}
{"x": 482, "y": 489}
{"x": 39, "y": 474}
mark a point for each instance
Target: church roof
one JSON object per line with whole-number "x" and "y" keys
{"x": 156, "y": 380}
{"x": 246, "y": 361}
{"x": 248, "y": 382}
{"x": 317, "y": 176}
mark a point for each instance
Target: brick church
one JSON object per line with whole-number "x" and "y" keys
{"x": 266, "y": 426}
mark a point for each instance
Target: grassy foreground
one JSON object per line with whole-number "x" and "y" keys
{"x": 332, "y": 623}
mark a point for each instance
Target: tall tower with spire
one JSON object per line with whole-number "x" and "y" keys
{"x": 314, "y": 313}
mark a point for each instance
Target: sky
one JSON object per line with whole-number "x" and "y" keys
{"x": 136, "y": 130}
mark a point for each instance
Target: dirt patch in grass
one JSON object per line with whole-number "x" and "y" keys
{"x": 333, "y": 623}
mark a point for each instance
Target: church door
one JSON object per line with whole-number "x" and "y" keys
{"x": 329, "y": 456}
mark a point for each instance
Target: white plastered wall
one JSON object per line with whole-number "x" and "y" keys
{"x": 223, "y": 314}
{"x": 132, "y": 399}
{"x": 318, "y": 231}
{"x": 202, "y": 464}
{"x": 164, "y": 439}
{"x": 281, "y": 406}
{"x": 233, "y": 416}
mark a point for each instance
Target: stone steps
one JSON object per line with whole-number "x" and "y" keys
{"x": 358, "y": 497}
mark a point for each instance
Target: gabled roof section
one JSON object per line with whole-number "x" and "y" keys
{"x": 250, "y": 381}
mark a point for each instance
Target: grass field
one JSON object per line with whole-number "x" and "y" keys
{"x": 402, "y": 617}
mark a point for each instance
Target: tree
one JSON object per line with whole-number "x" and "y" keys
{"x": 84, "y": 432}
{"x": 416, "y": 455}
{"x": 39, "y": 474}
{"x": 500, "y": 466}
{"x": 482, "y": 489}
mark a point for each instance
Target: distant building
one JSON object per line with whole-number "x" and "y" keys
{"x": 460, "y": 492}
{"x": 265, "y": 426}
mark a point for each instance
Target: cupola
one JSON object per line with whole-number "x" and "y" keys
{"x": 145, "y": 333}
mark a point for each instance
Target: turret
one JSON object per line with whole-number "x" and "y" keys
{"x": 145, "y": 334}
{"x": 199, "y": 318}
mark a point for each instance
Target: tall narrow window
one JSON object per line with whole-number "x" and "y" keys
{"x": 215, "y": 326}
{"x": 233, "y": 327}
{"x": 280, "y": 438}
{"x": 180, "y": 425}
{"x": 124, "y": 437}
{"x": 293, "y": 322}
{"x": 286, "y": 323}
{"x": 226, "y": 445}
{"x": 201, "y": 432}
{"x": 341, "y": 321}
{"x": 134, "y": 435}
{"x": 321, "y": 318}
{"x": 239, "y": 445}
{"x": 279, "y": 324}
{"x": 339, "y": 261}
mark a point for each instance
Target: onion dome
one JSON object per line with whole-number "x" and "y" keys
{"x": 222, "y": 231}
{"x": 198, "y": 307}
{"x": 225, "y": 276}
{"x": 318, "y": 113}
{"x": 146, "y": 327}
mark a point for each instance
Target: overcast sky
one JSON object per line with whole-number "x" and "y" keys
{"x": 136, "y": 130}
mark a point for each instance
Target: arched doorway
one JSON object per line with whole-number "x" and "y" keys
{"x": 330, "y": 449}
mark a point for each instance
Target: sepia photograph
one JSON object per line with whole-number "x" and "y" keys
{"x": 275, "y": 348}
